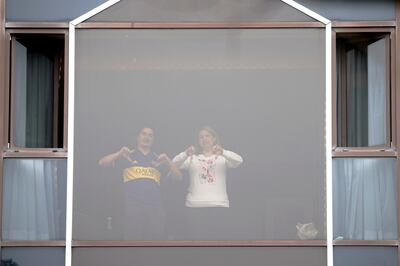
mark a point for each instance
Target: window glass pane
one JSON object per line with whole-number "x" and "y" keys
{"x": 377, "y": 85}
{"x": 363, "y": 90}
{"x": 34, "y": 199}
{"x": 153, "y": 92}
{"x": 205, "y": 10}
{"x": 200, "y": 256}
{"x": 364, "y": 256}
{"x": 32, "y": 256}
{"x": 38, "y": 84}
{"x": 21, "y": 58}
{"x": 364, "y": 198}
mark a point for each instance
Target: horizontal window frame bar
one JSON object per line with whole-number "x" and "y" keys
{"x": 364, "y": 153}
{"x": 391, "y": 243}
{"x": 370, "y": 148}
{"x": 47, "y": 31}
{"x": 197, "y": 25}
{"x": 37, "y": 25}
{"x": 190, "y": 243}
{"x": 203, "y": 243}
{"x": 36, "y": 153}
{"x": 64, "y": 25}
{"x": 389, "y": 29}
{"x": 363, "y": 24}
{"x": 33, "y": 243}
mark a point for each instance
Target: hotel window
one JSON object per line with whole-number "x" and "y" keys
{"x": 34, "y": 165}
{"x": 365, "y": 167}
{"x": 37, "y": 91}
{"x": 363, "y": 89}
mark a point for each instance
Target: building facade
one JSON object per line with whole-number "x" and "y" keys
{"x": 110, "y": 152}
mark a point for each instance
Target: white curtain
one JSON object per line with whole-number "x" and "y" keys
{"x": 32, "y": 209}
{"x": 364, "y": 198}
{"x": 377, "y": 93}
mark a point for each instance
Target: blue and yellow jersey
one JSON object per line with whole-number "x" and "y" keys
{"x": 140, "y": 166}
{"x": 142, "y": 176}
{"x": 137, "y": 172}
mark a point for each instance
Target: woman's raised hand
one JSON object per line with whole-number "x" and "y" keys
{"x": 190, "y": 151}
{"x": 217, "y": 150}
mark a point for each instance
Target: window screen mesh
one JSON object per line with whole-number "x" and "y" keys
{"x": 262, "y": 91}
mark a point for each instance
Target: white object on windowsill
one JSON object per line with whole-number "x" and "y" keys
{"x": 306, "y": 231}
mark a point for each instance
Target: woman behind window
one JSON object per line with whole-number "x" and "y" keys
{"x": 207, "y": 198}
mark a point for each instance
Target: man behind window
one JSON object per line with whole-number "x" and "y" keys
{"x": 142, "y": 171}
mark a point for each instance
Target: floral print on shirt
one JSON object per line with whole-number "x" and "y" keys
{"x": 207, "y": 170}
